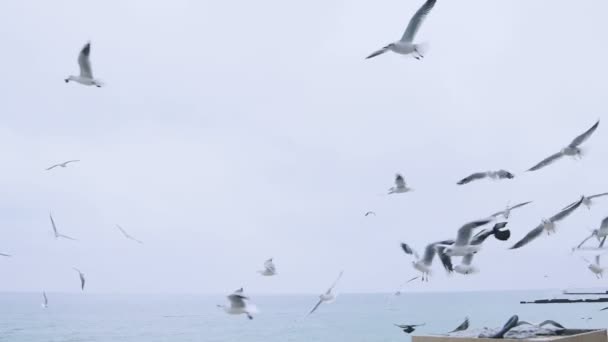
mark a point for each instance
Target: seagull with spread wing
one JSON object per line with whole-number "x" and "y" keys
{"x": 239, "y": 304}
{"x": 547, "y": 225}
{"x": 495, "y": 175}
{"x": 588, "y": 200}
{"x": 269, "y": 268}
{"x": 573, "y": 149}
{"x": 328, "y": 296}
{"x": 406, "y": 45}
{"x": 497, "y": 231}
{"x": 86, "y": 73}
{"x": 56, "y": 232}
{"x": 408, "y": 328}
{"x": 81, "y": 276}
{"x": 126, "y": 235}
{"x": 400, "y": 185}
{"x": 462, "y": 245}
{"x": 507, "y": 212}
{"x": 64, "y": 164}
{"x": 599, "y": 233}
{"x": 423, "y": 265}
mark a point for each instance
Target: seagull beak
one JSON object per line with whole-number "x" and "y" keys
{"x": 377, "y": 53}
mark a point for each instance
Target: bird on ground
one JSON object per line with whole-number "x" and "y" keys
{"x": 406, "y": 45}
{"x": 126, "y": 235}
{"x": 547, "y": 225}
{"x": 56, "y": 232}
{"x": 462, "y": 327}
{"x": 572, "y": 150}
{"x": 328, "y": 296}
{"x": 423, "y": 265}
{"x": 465, "y": 266}
{"x": 239, "y": 305}
{"x": 400, "y": 185}
{"x": 269, "y": 268}
{"x": 81, "y": 276}
{"x": 462, "y": 245}
{"x": 64, "y": 164}
{"x": 507, "y": 212}
{"x": 495, "y": 175}
{"x": 408, "y": 328}
{"x": 86, "y": 73}
{"x": 45, "y": 303}
{"x": 588, "y": 200}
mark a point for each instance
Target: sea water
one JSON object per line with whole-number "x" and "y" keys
{"x": 352, "y": 317}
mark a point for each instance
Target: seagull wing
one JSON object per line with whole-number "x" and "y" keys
{"x": 416, "y": 21}
{"x": 84, "y": 62}
{"x": 465, "y": 232}
{"x": 409, "y": 250}
{"x": 445, "y": 259}
{"x": 54, "y": 226}
{"x": 46, "y": 300}
{"x": 554, "y": 323}
{"x": 520, "y": 205}
{"x": 429, "y": 254}
{"x": 472, "y": 177}
{"x": 5, "y": 255}
{"x": 467, "y": 259}
{"x": 547, "y": 161}
{"x": 533, "y": 234}
{"x": 335, "y": 282}
{"x": 581, "y": 138}
{"x": 66, "y": 237}
{"x": 564, "y": 213}
{"x": 52, "y": 167}
{"x": 598, "y": 195}
{"x": 82, "y": 280}
{"x": 269, "y": 265}
{"x": 585, "y": 240}
{"x": 316, "y": 306}
{"x": 463, "y": 326}
{"x": 71, "y": 161}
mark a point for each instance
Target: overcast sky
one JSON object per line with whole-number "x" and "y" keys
{"x": 233, "y": 131}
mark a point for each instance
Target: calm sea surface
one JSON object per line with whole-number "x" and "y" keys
{"x": 353, "y": 317}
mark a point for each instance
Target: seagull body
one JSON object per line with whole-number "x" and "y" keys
{"x": 462, "y": 327}
{"x": 269, "y": 268}
{"x": 238, "y": 305}
{"x": 56, "y": 232}
{"x": 423, "y": 265}
{"x": 127, "y": 235}
{"x": 572, "y": 150}
{"x": 86, "y": 73}
{"x": 408, "y": 328}
{"x": 45, "y": 303}
{"x": 462, "y": 245}
{"x": 406, "y": 45}
{"x": 588, "y": 200}
{"x": 465, "y": 267}
{"x": 595, "y": 266}
{"x": 547, "y": 225}
{"x": 507, "y": 212}
{"x": 400, "y": 185}
{"x": 81, "y": 276}
{"x": 64, "y": 164}
{"x": 328, "y": 296}
{"x": 494, "y": 175}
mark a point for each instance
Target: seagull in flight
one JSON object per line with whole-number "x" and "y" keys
{"x": 572, "y": 150}
{"x": 408, "y": 328}
{"x": 328, "y": 296}
{"x": 547, "y": 225}
{"x": 86, "y": 73}
{"x": 64, "y": 164}
{"x": 595, "y": 266}
{"x": 56, "y": 232}
{"x": 462, "y": 327}
{"x": 81, "y": 276}
{"x": 507, "y": 212}
{"x": 398, "y": 293}
{"x": 462, "y": 245}
{"x": 238, "y": 304}
{"x": 406, "y": 45}
{"x": 465, "y": 266}
{"x": 400, "y": 185}
{"x": 495, "y": 175}
{"x": 599, "y": 233}
{"x": 45, "y": 303}
{"x": 423, "y": 265}
{"x": 370, "y": 213}
{"x": 269, "y": 268}
{"x": 127, "y": 234}
{"x": 588, "y": 200}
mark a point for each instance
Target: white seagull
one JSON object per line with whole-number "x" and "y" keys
{"x": 495, "y": 175}
{"x": 406, "y": 45}
{"x": 127, "y": 234}
{"x": 507, "y": 212}
{"x": 588, "y": 200}
{"x": 572, "y": 149}
{"x": 269, "y": 268}
{"x": 547, "y": 225}
{"x": 465, "y": 266}
{"x": 86, "y": 74}
{"x": 423, "y": 265}
{"x": 64, "y": 164}
{"x": 45, "y": 303}
{"x": 599, "y": 233}
{"x": 56, "y": 232}
{"x": 400, "y": 186}
{"x": 238, "y": 305}
{"x": 328, "y": 296}
{"x": 81, "y": 276}
{"x": 462, "y": 245}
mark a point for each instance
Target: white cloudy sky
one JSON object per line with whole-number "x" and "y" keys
{"x": 234, "y": 131}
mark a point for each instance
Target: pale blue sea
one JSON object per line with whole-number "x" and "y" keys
{"x": 353, "y": 317}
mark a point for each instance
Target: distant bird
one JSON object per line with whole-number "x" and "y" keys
{"x": 400, "y": 185}
{"x": 572, "y": 150}
{"x": 56, "y": 232}
{"x": 328, "y": 296}
{"x": 500, "y": 174}
{"x": 462, "y": 327}
{"x": 5, "y": 255}
{"x": 547, "y": 225}
{"x": 64, "y": 164}
{"x": 588, "y": 200}
{"x": 423, "y": 265}
{"x": 45, "y": 303}
{"x": 86, "y": 73}
{"x": 127, "y": 235}
{"x": 507, "y": 212}
{"x": 462, "y": 245}
{"x": 238, "y": 304}
{"x": 370, "y": 213}
{"x": 595, "y": 266}
{"x": 398, "y": 293}
{"x": 599, "y": 233}
{"x": 269, "y": 268}
{"x": 408, "y": 328}
{"x": 406, "y": 45}
{"x": 465, "y": 266}
{"x": 82, "y": 280}
{"x": 604, "y": 309}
